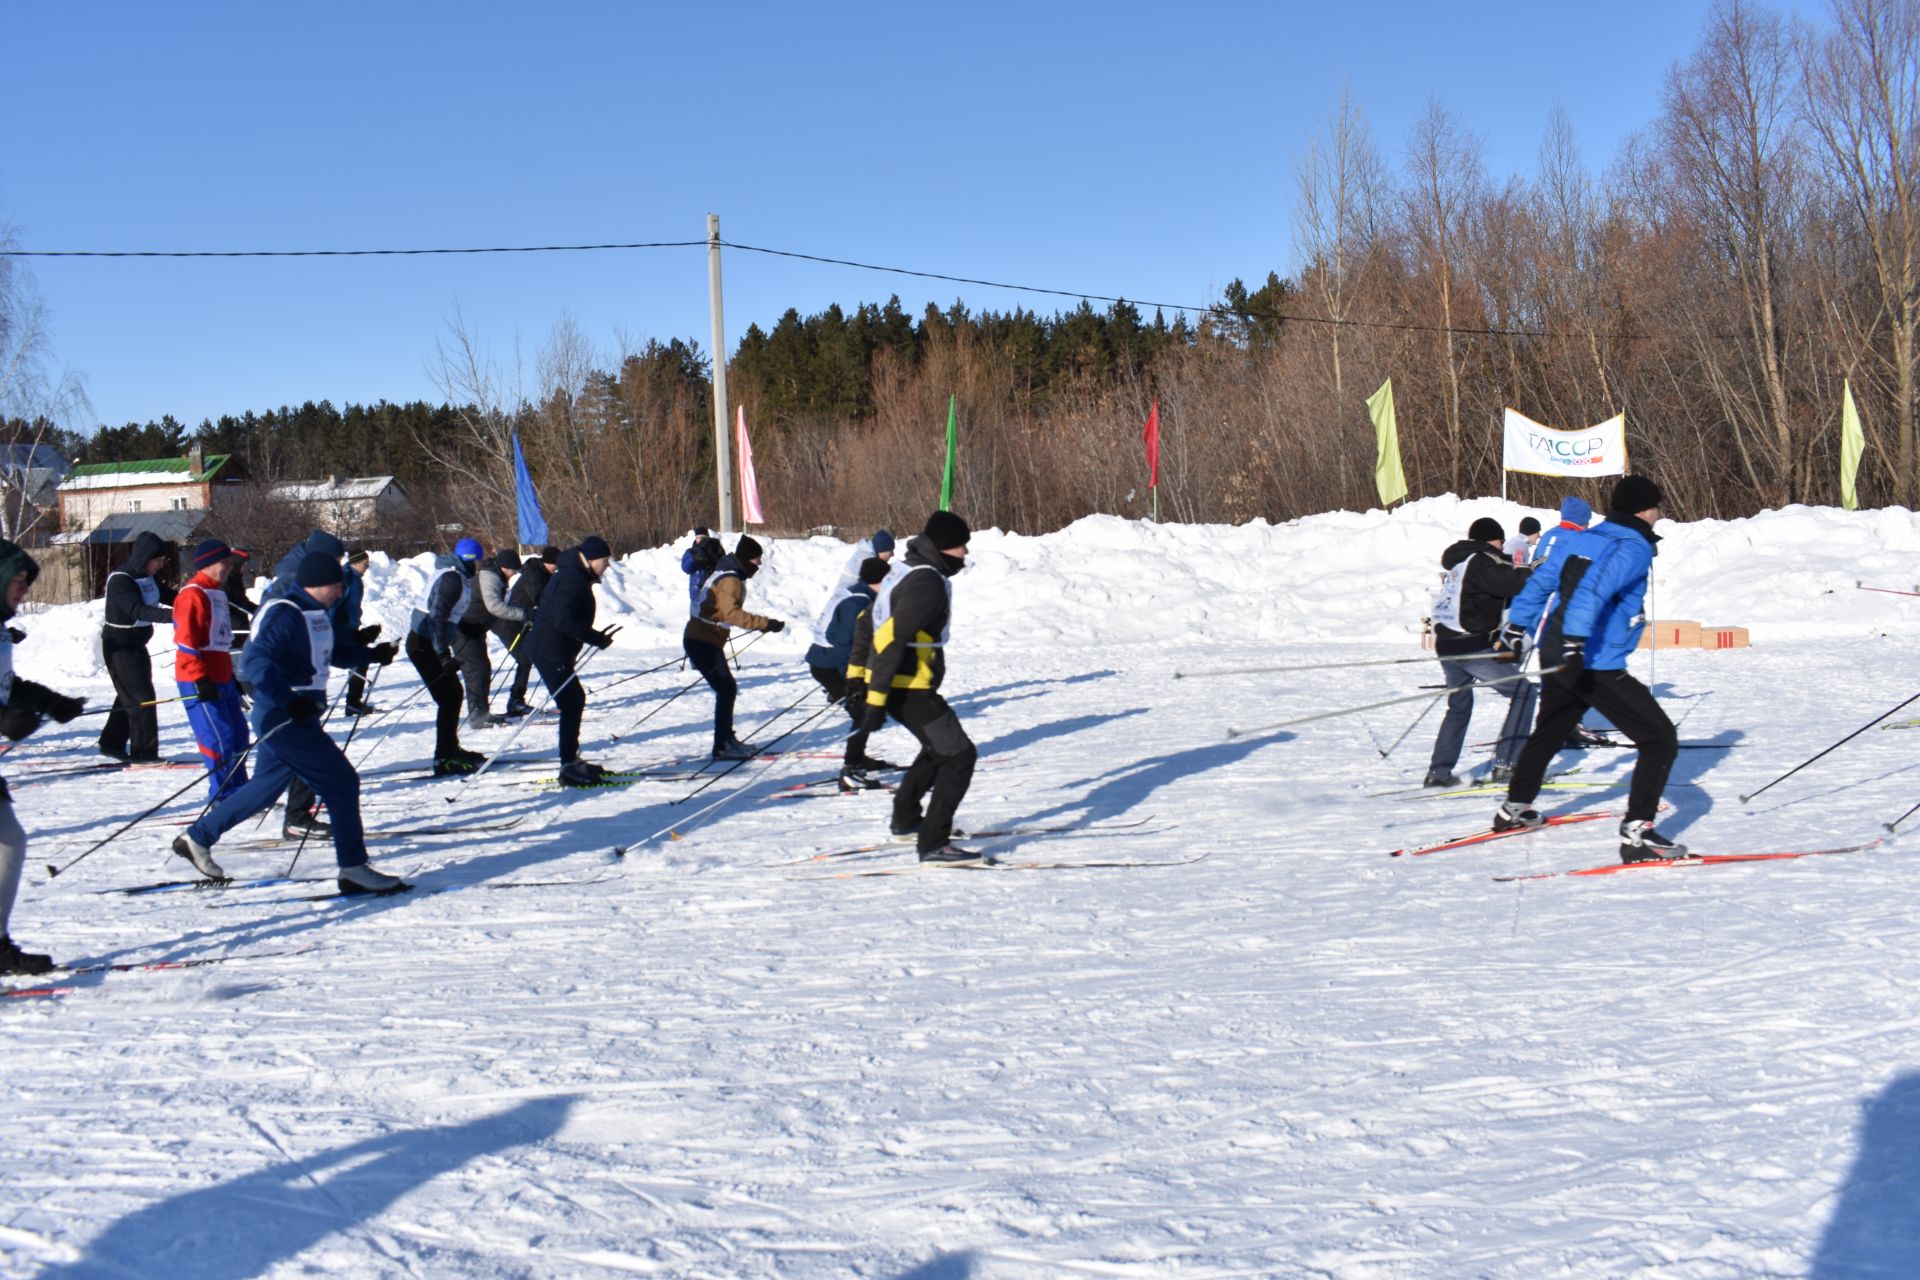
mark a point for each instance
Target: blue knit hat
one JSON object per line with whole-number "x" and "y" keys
{"x": 319, "y": 570}
{"x": 882, "y": 540}
{"x": 595, "y": 548}
{"x": 1576, "y": 511}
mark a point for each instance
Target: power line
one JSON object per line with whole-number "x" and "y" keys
{"x": 329, "y": 253}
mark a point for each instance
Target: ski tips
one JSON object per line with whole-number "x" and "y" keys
{"x": 52, "y": 871}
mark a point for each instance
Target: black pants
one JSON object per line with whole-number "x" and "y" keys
{"x": 1634, "y": 711}
{"x": 557, "y": 675}
{"x": 443, "y": 684}
{"x": 514, "y": 636}
{"x": 131, "y": 729}
{"x": 357, "y": 687}
{"x": 945, "y": 764}
{"x": 710, "y": 660}
{"x": 470, "y": 651}
{"x": 834, "y": 681}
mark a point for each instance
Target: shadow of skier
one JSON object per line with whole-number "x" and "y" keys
{"x": 1875, "y": 1228}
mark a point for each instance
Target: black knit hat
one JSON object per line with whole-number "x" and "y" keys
{"x": 872, "y": 570}
{"x": 1634, "y": 494}
{"x": 550, "y": 556}
{"x": 506, "y": 559}
{"x": 1486, "y": 529}
{"x": 594, "y": 547}
{"x": 945, "y": 529}
{"x": 747, "y": 549}
{"x": 1529, "y": 526}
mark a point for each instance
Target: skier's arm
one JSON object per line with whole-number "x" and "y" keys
{"x": 728, "y": 595}
{"x": 493, "y": 597}
{"x": 917, "y": 611}
{"x": 440, "y": 602}
{"x": 278, "y": 638}
{"x": 192, "y": 620}
{"x": 1604, "y": 579}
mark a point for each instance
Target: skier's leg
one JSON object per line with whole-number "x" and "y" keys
{"x": 476, "y": 671}
{"x": 13, "y": 858}
{"x": 1560, "y": 709}
{"x": 1637, "y": 714}
{"x": 953, "y": 756}
{"x": 1522, "y": 696}
{"x": 318, "y": 762}
{"x": 1453, "y": 728}
{"x": 270, "y": 777}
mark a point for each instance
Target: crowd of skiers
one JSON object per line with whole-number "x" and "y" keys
{"x": 253, "y": 676}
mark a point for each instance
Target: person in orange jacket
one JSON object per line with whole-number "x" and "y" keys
{"x": 203, "y": 666}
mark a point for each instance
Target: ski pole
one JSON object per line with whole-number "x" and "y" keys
{"x": 53, "y": 871}
{"x": 1497, "y": 655}
{"x": 1424, "y": 713}
{"x": 1412, "y": 697}
{"x": 157, "y": 702}
{"x": 307, "y": 831}
{"x": 526, "y": 720}
{"x": 769, "y": 720}
{"x": 1850, "y": 737}
{"x": 393, "y": 724}
{"x": 1888, "y": 591}
{"x": 688, "y": 688}
{"x": 636, "y": 675}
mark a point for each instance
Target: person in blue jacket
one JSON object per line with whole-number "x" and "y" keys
{"x": 827, "y": 661}
{"x": 1588, "y": 602}
{"x": 293, "y": 645}
{"x": 698, "y": 562}
{"x": 431, "y": 639}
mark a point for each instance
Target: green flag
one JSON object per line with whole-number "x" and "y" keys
{"x": 1387, "y": 475}
{"x": 953, "y": 451}
{"x": 1853, "y": 443}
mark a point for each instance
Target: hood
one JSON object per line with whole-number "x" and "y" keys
{"x": 13, "y": 562}
{"x": 145, "y": 548}
{"x": 731, "y": 564}
{"x": 1460, "y": 550}
{"x": 318, "y": 541}
{"x": 920, "y": 550}
{"x": 447, "y": 560}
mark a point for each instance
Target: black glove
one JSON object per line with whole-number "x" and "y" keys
{"x": 302, "y": 709}
{"x": 856, "y": 692}
{"x": 1573, "y": 659}
{"x": 874, "y": 718}
{"x": 365, "y": 635}
{"x": 63, "y": 708}
{"x": 16, "y": 634}
{"x": 206, "y": 691}
{"x": 775, "y": 624}
{"x": 16, "y": 722}
{"x": 599, "y": 637}
{"x": 446, "y": 657}
{"x": 1511, "y": 639}
{"x": 385, "y": 653}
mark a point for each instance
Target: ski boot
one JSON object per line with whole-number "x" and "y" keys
{"x": 1639, "y": 842}
{"x": 1514, "y": 816}
{"x": 26, "y": 963}
{"x": 952, "y": 855}
{"x": 364, "y": 879}
{"x": 185, "y": 846}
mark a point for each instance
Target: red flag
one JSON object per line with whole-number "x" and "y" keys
{"x": 1152, "y": 437}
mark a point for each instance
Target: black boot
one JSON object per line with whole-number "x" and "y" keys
{"x": 15, "y": 961}
{"x": 1639, "y": 842}
{"x": 308, "y": 824}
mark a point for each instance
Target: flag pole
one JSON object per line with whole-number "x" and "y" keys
{"x": 722, "y": 451}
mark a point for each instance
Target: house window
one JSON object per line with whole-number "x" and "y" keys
{"x": 179, "y": 504}
{"x": 133, "y": 504}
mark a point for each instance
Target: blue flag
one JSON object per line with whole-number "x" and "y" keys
{"x": 533, "y": 525}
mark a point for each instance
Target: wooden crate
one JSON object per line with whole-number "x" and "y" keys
{"x": 1723, "y": 637}
{"x": 1667, "y": 634}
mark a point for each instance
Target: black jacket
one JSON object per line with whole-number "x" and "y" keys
{"x": 129, "y": 618}
{"x": 908, "y": 650}
{"x": 566, "y": 612}
{"x": 1490, "y": 581}
{"x": 526, "y": 588}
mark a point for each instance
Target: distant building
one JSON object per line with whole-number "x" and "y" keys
{"x": 30, "y": 477}
{"x": 95, "y": 491}
{"x": 347, "y": 508}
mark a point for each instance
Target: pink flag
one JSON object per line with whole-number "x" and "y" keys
{"x": 1152, "y": 436}
{"x": 750, "y": 512}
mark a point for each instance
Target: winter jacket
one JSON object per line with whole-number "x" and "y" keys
{"x": 860, "y": 649}
{"x": 449, "y": 591}
{"x": 524, "y": 594}
{"x": 862, "y": 552}
{"x": 719, "y": 607}
{"x": 1489, "y": 582}
{"x": 197, "y": 655}
{"x": 912, "y": 613}
{"x": 698, "y": 563}
{"x": 564, "y": 620}
{"x": 1612, "y": 623}
{"x": 23, "y": 703}
{"x": 493, "y": 598}
{"x": 833, "y": 640}
{"x": 1548, "y": 540}
{"x": 346, "y": 614}
{"x": 135, "y": 601}
{"x": 288, "y": 565}
{"x": 279, "y": 663}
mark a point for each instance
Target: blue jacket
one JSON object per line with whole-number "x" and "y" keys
{"x": 278, "y": 659}
{"x": 289, "y": 564}
{"x": 346, "y": 614}
{"x": 1608, "y": 606}
{"x": 697, "y": 575}
{"x": 838, "y": 649}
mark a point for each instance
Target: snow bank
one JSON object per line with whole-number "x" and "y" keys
{"x": 1343, "y": 575}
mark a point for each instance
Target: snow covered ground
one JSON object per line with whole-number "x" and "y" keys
{"x": 1296, "y": 1056}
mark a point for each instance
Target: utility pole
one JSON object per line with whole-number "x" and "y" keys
{"x": 722, "y": 448}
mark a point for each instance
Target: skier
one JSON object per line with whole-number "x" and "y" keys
{"x": 1575, "y": 515}
{"x": 293, "y": 645}
{"x": 1483, "y": 580}
{"x": 1519, "y": 548}
{"x": 1592, "y": 597}
{"x": 23, "y": 705}
{"x": 135, "y": 601}
{"x": 524, "y": 595}
{"x": 303, "y": 806}
{"x": 431, "y": 640}
{"x": 912, "y": 618}
{"x": 487, "y": 611}
{"x": 562, "y": 625}
{"x": 350, "y": 605}
{"x": 715, "y": 610}
{"x": 880, "y": 544}
{"x": 203, "y": 666}
{"x": 828, "y": 662}
{"x": 698, "y": 562}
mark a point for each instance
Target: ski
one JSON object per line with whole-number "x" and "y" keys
{"x": 397, "y": 833}
{"x": 1483, "y": 837}
{"x": 424, "y": 891}
{"x": 75, "y": 971}
{"x": 996, "y": 864}
{"x": 103, "y": 766}
{"x": 1693, "y": 860}
{"x": 1500, "y": 789}
{"x": 1004, "y": 833}
{"x": 1903, "y": 724}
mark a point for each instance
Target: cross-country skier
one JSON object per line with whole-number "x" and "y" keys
{"x": 562, "y": 626}
{"x": 1487, "y": 580}
{"x": 524, "y": 595}
{"x": 135, "y": 601}
{"x": 286, "y": 662}
{"x": 880, "y": 544}
{"x": 23, "y": 705}
{"x": 704, "y": 640}
{"x": 432, "y": 639}
{"x": 349, "y": 612}
{"x": 828, "y": 661}
{"x": 203, "y": 666}
{"x": 1575, "y": 515}
{"x": 487, "y": 611}
{"x": 303, "y": 816}
{"x": 1592, "y": 596}
{"x": 912, "y": 617}
{"x": 698, "y": 562}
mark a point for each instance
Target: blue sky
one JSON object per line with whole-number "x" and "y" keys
{"x": 1137, "y": 149}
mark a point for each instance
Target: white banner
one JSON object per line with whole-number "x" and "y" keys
{"x": 1598, "y": 451}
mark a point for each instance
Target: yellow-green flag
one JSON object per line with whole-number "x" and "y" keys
{"x": 1387, "y": 475}
{"x": 1853, "y": 444}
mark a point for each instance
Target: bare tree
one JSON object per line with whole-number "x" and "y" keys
{"x": 31, "y": 391}
{"x": 1445, "y": 182}
{"x": 478, "y": 457}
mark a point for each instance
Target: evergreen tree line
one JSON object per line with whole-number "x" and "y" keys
{"x": 1757, "y": 244}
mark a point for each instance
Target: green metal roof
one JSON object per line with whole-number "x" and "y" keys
{"x": 158, "y": 466}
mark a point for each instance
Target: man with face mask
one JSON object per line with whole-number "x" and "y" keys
{"x": 718, "y": 608}
{"x": 912, "y": 616}
{"x": 562, "y": 626}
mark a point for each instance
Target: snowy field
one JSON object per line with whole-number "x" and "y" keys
{"x": 1294, "y": 1056}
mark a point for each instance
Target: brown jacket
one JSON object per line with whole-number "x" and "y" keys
{"x": 720, "y": 608}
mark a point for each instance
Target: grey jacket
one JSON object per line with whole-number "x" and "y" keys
{"x": 493, "y": 595}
